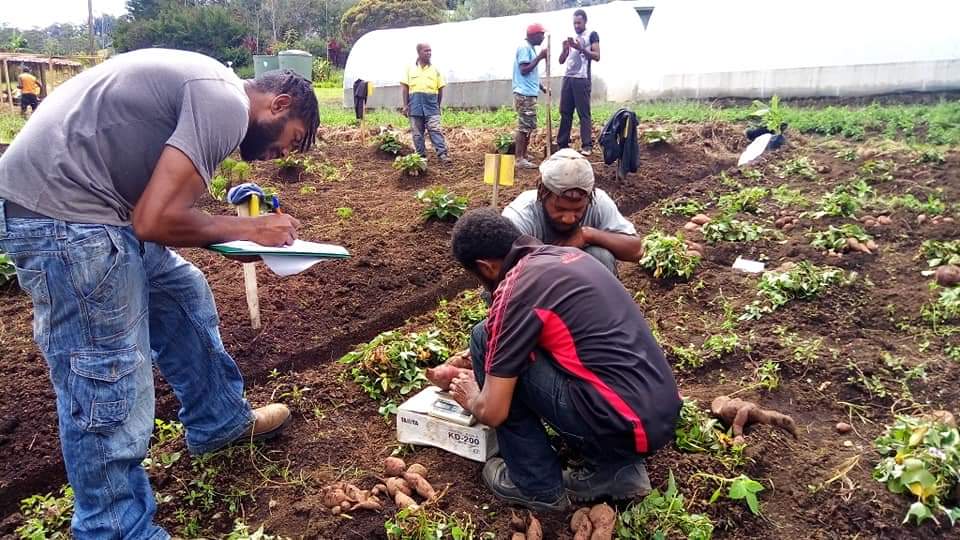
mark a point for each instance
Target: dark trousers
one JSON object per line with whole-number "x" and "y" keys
{"x": 28, "y": 100}
{"x": 575, "y": 95}
{"x": 542, "y": 395}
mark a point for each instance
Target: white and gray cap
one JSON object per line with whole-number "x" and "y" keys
{"x": 566, "y": 170}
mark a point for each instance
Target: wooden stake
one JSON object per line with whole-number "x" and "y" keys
{"x": 6, "y": 75}
{"x": 496, "y": 179}
{"x": 547, "y": 152}
{"x": 252, "y": 208}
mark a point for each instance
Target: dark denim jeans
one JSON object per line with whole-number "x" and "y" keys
{"x": 575, "y": 96}
{"x": 430, "y": 124}
{"x": 105, "y": 309}
{"x": 543, "y": 395}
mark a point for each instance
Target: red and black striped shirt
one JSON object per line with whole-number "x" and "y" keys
{"x": 564, "y": 302}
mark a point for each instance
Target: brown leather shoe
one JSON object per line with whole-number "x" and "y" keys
{"x": 269, "y": 422}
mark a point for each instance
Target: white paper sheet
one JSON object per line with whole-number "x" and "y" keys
{"x": 755, "y": 149}
{"x": 298, "y": 246}
{"x": 283, "y": 265}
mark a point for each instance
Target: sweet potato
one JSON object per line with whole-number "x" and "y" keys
{"x": 691, "y": 226}
{"x": 420, "y": 485}
{"x": 534, "y": 529}
{"x": 580, "y": 524}
{"x": 335, "y": 510}
{"x": 398, "y": 485}
{"x": 739, "y": 413}
{"x": 700, "y": 219}
{"x": 517, "y": 523}
{"x": 369, "y": 504}
{"x": 784, "y": 221}
{"x": 948, "y": 275}
{"x": 884, "y": 220}
{"x": 354, "y": 494}
{"x": 379, "y": 489}
{"x": 871, "y": 245}
{"x": 345, "y": 505}
{"x": 405, "y": 501}
{"x": 518, "y": 536}
{"x": 394, "y": 466}
{"x": 855, "y": 245}
{"x": 692, "y": 253}
{"x": 333, "y": 497}
{"x": 694, "y": 246}
{"x": 418, "y": 468}
{"x": 603, "y": 517}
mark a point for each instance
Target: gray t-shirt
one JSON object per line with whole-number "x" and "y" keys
{"x": 526, "y": 212}
{"x": 87, "y": 153}
{"x": 578, "y": 63}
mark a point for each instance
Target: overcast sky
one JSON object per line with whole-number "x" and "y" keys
{"x": 41, "y": 13}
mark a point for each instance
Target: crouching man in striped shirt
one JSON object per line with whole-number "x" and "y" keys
{"x": 564, "y": 344}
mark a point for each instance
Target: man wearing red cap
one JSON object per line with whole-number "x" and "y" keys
{"x": 526, "y": 88}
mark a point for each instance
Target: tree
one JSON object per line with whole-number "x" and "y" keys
{"x": 210, "y": 30}
{"x": 369, "y": 15}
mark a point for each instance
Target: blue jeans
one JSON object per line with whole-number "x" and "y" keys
{"x": 106, "y": 308}
{"x": 542, "y": 395}
{"x": 432, "y": 125}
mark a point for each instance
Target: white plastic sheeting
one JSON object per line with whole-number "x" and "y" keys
{"x": 476, "y": 57}
{"x": 757, "y": 48}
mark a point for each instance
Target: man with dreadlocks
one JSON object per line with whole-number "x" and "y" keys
{"x": 102, "y": 179}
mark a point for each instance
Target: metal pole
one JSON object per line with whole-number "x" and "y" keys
{"x": 6, "y": 75}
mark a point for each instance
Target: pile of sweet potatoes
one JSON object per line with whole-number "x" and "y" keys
{"x": 401, "y": 483}
{"x": 593, "y": 523}
{"x": 526, "y": 528}
{"x": 345, "y": 497}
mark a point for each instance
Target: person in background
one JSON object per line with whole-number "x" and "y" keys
{"x": 566, "y": 210}
{"x": 29, "y": 91}
{"x": 565, "y": 345}
{"x": 526, "y": 88}
{"x": 92, "y": 191}
{"x": 422, "y": 88}
{"x": 578, "y": 54}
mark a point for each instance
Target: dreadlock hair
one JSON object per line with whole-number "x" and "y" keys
{"x": 482, "y": 234}
{"x": 303, "y": 101}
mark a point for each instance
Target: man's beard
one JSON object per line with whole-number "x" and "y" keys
{"x": 260, "y": 138}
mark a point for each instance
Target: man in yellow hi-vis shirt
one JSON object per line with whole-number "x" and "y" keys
{"x": 29, "y": 91}
{"x": 422, "y": 93}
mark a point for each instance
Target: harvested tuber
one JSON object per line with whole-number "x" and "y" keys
{"x": 418, "y": 468}
{"x": 843, "y": 428}
{"x": 700, "y": 219}
{"x": 691, "y": 226}
{"x": 942, "y": 417}
{"x": 603, "y": 517}
{"x": 534, "y": 530}
{"x": 333, "y": 497}
{"x": 379, "y": 489}
{"x": 405, "y": 501}
{"x": 370, "y": 504}
{"x": 739, "y": 413}
{"x": 948, "y": 275}
{"x": 856, "y": 245}
{"x": 420, "y": 485}
{"x": 884, "y": 220}
{"x": 517, "y": 523}
{"x": 871, "y": 245}
{"x": 518, "y": 536}
{"x": 394, "y": 466}
{"x": 398, "y": 485}
{"x": 580, "y": 524}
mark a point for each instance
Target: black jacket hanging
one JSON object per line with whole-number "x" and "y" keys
{"x": 619, "y": 141}
{"x": 359, "y": 97}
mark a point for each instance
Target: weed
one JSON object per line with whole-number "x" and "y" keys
{"x": 745, "y": 200}
{"x": 698, "y": 432}
{"x": 752, "y": 174}
{"x": 719, "y": 345}
{"x": 8, "y": 272}
{"x": 683, "y": 207}
{"x": 920, "y": 457}
{"x": 785, "y": 197}
{"x": 768, "y": 375}
{"x": 835, "y": 238}
{"x": 242, "y": 532}
{"x": 431, "y": 524}
{"x": 844, "y": 201}
{"x": 389, "y": 142}
{"x": 166, "y": 431}
{"x": 687, "y": 357}
{"x": 392, "y": 364}
{"x": 930, "y": 155}
{"x": 771, "y": 116}
{"x": 502, "y": 142}
{"x": 880, "y": 170}
{"x": 10, "y": 125}
{"x": 663, "y": 515}
{"x": 728, "y": 181}
{"x": 47, "y": 516}
{"x": 740, "y": 488}
{"x": 805, "y": 351}
{"x": 889, "y": 380}
{"x": 218, "y": 187}
{"x": 308, "y": 190}
{"x": 939, "y": 253}
{"x": 441, "y": 204}
{"x": 801, "y": 166}
{"x": 725, "y": 228}
{"x": 945, "y": 308}
{"x": 658, "y": 136}
{"x": 344, "y": 212}
{"x": 803, "y": 281}
{"x": 848, "y": 154}
{"x": 667, "y": 256}
{"x": 411, "y": 164}
{"x": 933, "y": 206}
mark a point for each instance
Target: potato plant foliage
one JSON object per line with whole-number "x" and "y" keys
{"x": 667, "y": 257}
{"x": 803, "y": 281}
{"x": 441, "y": 204}
{"x": 663, "y": 515}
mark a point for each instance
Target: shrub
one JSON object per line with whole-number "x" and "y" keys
{"x": 410, "y": 165}
{"x": 801, "y": 282}
{"x": 441, "y": 204}
{"x": 389, "y": 142}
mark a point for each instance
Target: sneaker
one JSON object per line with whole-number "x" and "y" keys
{"x": 586, "y": 152}
{"x": 525, "y": 164}
{"x": 620, "y": 482}
{"x": 445, "y": 159}
{"x": 498, "y": 480}
{"x": 268, "y": 423}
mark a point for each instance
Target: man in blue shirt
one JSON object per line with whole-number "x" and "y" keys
{"x": 526, "y": 88}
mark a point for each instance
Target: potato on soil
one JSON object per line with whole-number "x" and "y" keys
{"x": 871, "y": 245}
{"x": 691, "y": 227}
{"x": 394, "y": 466}
{"x": 518, "y": 536}
{"x": 379, "y": 488}
{"x": 855, "y": 245}
{"x": 398, "y": 485}
{"x": 603, "y": 518}
{"x": 420, "y": 485}
{"x": 517, "y": 523}
{"x": 534, "y": 529}
{"x": 700, "y": 219}
{"x": 580, "y": 524}
{"x": 405, "y": 501}
{"x": 418, "y": 468}
{"x": 884, "y": 220}
{"x": 948, "y": 275}
{"x": 369, "y": 504}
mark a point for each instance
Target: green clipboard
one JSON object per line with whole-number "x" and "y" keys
{"x": 299, "y": 248}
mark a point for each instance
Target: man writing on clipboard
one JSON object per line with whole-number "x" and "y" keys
{"x": 578, "y": 54}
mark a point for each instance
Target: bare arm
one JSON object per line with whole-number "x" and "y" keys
{"x": 439, "y": 96}
{"x": 405, "y": 92}
{"x": 565, "y": 52}
{"x": 491, "y": 406}
{"x": 527, "y": 67}
{"x": 165, "y": 213}
{"x": 594, "y": 52}
{"x": 625, "y": 247}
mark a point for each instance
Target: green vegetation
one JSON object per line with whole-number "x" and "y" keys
{"x": 875, "y": 171}
{"x": 502, "y": 142}
{"x": 933, "y": 206}
{"x": 441, "y": 204}
{"x": 8, "y": 272}
{"x": 938, "y": 253}
{"x": 835, "y": 238}
{"x": 242, "y": 532}
{"x": 344, "y": 212}
{"x": 456, "y": 319}
{"x": 432, "y": 524}
{"x": 47, "y": 517}
{"x": 745, "y": 200}
{"x": 803, "y": 281}
{"x": 726, "y": 228}
{"x": 771, "y": 116}
{"x": 389, "y": 142}
{"x": 844, "y": 201}
{"x": 767, "y": 375}
{"x": 663, "y": 515}
{"x": 683, "y": 207}
{"x": 10, "y": 125}
{"x": 698, "y": 432}
{"x": 411, "y": 164}
{"x": 654, "y": 137}
{"x": 944, "y": 309}
{"x": 787, "y": 197}
{"x": 889, "y": 380}
{"x": 369, "y": 15}
{"x": 801, "y": 166}
{"x": 667, "y": 256}
{"x": 740, "y": 488}
{"x": 921, "y": 457}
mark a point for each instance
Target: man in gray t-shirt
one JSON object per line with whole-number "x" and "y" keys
{"x": 578, "y": 55}
{"x": 566, "y": 210}
{"x": 104, "y": 176}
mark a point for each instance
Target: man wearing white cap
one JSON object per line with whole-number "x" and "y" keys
{"x": 567, "y": 210}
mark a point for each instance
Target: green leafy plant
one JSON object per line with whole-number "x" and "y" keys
{"x": 802, "y": 281}
{"x": 844, "y": 201}
{"x": 933, "y": 206}
{"x": 502, "y": 142}
{"x": 441, "y": 204}
{"x": 218, "y": 187}
{"x": 688, "y": 357}
{"x": 772, "y": 116}
{"x": 725, "y": 228}
{"x": 392, "y": 364}
{"x": 767, "y": 375}
{"x": 431, "y": 524}
{"x": 698, "y": 432}
{"x": 801, "y": 166}
{"x": 835, "y": 238}
{"x": 242, "y": 532}
{"x": 683, "y": 207}
{"x": 456, "y": 319}
{"x": 8, "y": 272}
{"x": 805, "y": 352}
{"x": 344, "y": 212}
{"x": 662, "y": 515}
{"x": 667, "y": 256}
{"x": 939, "y": 253}
{"x": 719, "y": 345}
{"x": 930, "y": 155}
{"x": 308, "y": 190}
{"x": 658, "y": 136}
{"x": 920, "y": 456}
{"x": 880, "y": 170}
{"x": 891, "y": 379}
{"x": 848, "y": 154}
{"x": 745, "y": 200}
{"x": 785, "y": 197}
{"x": 411, "y": 164}
{"x": 47, "y": 516}
{"x": 740, "y": 488}
{"x": 945, "y": 308}
{"x": 389, "y": 142}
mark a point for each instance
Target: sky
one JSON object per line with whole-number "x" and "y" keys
{"x": 27, "y": 14}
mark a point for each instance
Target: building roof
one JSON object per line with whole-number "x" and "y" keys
{"x": 27, "y": 58}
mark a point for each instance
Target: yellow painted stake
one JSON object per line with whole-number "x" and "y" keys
{"x": 252, "y": 208}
